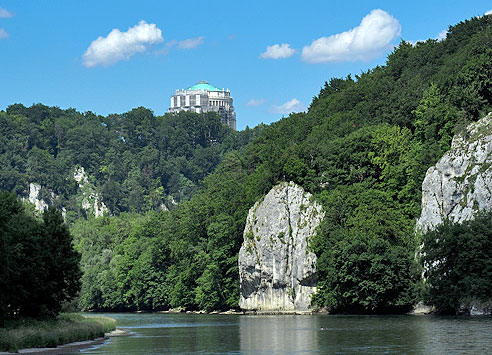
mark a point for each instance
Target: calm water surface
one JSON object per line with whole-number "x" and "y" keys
{"x": 322, "y": 334}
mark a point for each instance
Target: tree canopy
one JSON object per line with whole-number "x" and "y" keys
{"x": 457, "y": 259}
{"x": 362, "y": 149}
{"x": 39, "y": 269}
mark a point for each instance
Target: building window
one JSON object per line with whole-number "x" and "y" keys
{"x": 197, "y": 100}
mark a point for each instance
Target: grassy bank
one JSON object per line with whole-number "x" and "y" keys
{"x": 67, "y": 328}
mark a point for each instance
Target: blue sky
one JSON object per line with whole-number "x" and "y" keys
{"x": 274, "y": 56}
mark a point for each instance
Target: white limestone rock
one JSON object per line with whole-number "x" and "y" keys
{"x": 90, "y": 200}
{"x": 460, "y": 184}
{"x": 35, "y": 197}
{"x": 276, "y": 269}
{"x": 39, "y": 203}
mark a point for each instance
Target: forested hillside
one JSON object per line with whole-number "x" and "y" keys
{"x": 135, "y": 161}
{"x": 362, "y": 150}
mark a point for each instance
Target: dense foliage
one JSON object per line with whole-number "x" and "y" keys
{"x": 458, "y": 263}
{"x": 183, "y": 258}
{"x": 39, "y": 269}
{"x": 135, "y": 161}
{"x": 362, "y": 149}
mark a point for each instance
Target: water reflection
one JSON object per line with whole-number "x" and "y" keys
{"x": 321, "y": 334}
{"x": 458, "y": 335}
{"x": 271, "y": 334}
{"x": 173, "y": 334}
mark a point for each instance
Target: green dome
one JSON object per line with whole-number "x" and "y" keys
{"x": 203, "y": 85}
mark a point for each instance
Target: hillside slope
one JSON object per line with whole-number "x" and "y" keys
{"x": 362, "y": 150}
{"x": 133, "y": 162}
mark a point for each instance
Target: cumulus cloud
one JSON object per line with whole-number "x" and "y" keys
{"x": 489, "y": 12}
{"x": 5, "y": 14}
{"x": 442, "y": 35}
{"x": 364, "y": 42}
{"x": 290, "y": 106}
{"x": 255, "y": 102}
{"x": 278, "y": 51}
{"x": 119, "y": 45}
{"x": 3, "y": 34}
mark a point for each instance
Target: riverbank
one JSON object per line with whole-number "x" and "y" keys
{"x": 68, "y": 328}
{"x": 182, "y": 333}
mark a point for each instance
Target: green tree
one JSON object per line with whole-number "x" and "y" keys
{"x": 40, "y": 270}
{"x": 435, "y": 120}
{"x": 367, "y": 275}
{"x": 62, "y": 271}
{"x": 457, "y": 259}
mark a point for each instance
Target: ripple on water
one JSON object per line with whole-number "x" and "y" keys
{"x": 224, "y": 334}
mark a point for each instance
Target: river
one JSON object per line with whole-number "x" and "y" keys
{"x": 155, "y": 333}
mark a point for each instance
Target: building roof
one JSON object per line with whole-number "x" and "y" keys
{"x": 203, "y": 85}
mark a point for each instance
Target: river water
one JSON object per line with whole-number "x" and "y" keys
{"x": 155, "y": 333}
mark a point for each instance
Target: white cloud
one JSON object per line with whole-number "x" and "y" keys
{"x": 119, "y": 45}
{"x": 5, "y": 14}
{"x": 255, "y": 102}
{"x": 442, "y": 35}
{"x": 3, "y": 34}
{"x": 290, "y": 106}
{"x": 364, "y": 42}
{"x": 278, "y": 51}
{"x": 190, "y": 43}
{"x": 489, "y": 12}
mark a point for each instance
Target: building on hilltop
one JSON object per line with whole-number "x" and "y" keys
{"x": 203, "y": 97}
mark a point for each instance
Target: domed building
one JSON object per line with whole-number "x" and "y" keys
{"x": 203, "y": 97}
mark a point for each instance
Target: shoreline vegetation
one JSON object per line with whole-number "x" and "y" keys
{"x": 66, "y": 328}
{"x": 71, "y": 331}
{"x": 178, "y": 188}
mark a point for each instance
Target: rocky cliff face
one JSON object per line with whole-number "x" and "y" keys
{"x": 35, "y": 197}
{"x": 89, "y": 199}
{"x": 277, "y": 270}
{"x": 460, "y": 184}
{"x": 87, "y": 196}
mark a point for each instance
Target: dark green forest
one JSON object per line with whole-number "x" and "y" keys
{"x": 40, "y": 270}
{"x": 136, "y": 162}
{"x": 362, "y": 149}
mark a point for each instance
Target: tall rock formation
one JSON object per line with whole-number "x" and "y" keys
{"x": 460, "y": 184}
{"x": 276, "y": 269}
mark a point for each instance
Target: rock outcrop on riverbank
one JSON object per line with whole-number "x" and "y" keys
{"x": 460, "y": 184}
{"x": 277, "y": 271}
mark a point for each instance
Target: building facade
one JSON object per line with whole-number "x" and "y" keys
{"x": 203, "y": 97}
